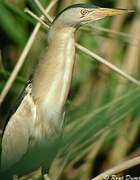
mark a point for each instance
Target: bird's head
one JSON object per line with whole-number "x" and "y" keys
{"x": 80, "y": 14}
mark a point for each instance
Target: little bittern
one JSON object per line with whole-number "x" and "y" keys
{"x": 40, "y": 113}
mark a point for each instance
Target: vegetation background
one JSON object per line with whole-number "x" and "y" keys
{"x": 103, "y": 109}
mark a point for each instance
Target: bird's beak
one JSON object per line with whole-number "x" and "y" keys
{"x": 99, "y": 12}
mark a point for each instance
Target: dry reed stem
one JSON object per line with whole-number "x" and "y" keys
{"x": 23, "y": 57}
{"x": 36, "y": 17}
{"x": 105, "y": 62}
{"x": 42, "y": 10}
{"x": 119, "y": 168}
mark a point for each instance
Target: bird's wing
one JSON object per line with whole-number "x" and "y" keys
{"x": 17, "y": 132}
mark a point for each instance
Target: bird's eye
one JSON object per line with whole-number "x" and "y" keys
{"x": 83, "y": 12}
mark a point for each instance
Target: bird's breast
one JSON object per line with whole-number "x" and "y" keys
{"x": 52, "y": 82}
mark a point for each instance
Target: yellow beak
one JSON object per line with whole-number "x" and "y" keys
{"x": 102, "y": 12}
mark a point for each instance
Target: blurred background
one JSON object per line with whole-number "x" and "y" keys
{"x": 105, "y": 106}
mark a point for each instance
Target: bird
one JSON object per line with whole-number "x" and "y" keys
{"x": 40, "y": 114}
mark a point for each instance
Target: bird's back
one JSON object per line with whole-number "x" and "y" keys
{"x": 17, "y": 132}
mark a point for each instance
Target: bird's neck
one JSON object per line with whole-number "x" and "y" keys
{"x": 52, "y": 79}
